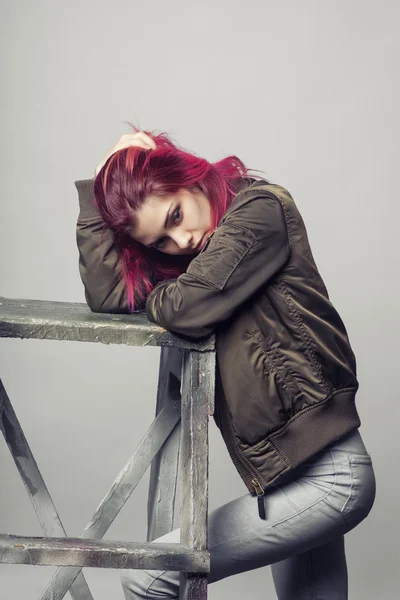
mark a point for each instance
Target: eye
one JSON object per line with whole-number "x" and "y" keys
{"x": 159, "y": 243}
{"x": 176, "y": 215}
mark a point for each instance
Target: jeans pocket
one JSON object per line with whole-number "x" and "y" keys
{"x": 362, "y": 491}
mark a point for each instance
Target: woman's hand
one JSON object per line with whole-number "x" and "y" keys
{"x": 140, "y": 139}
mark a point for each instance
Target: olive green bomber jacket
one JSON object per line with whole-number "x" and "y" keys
{"x": 286, "y": 373}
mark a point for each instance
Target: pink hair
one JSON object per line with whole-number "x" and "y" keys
{"x": 130, "y": 176}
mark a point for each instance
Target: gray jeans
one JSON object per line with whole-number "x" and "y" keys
{"x": 302, "y": 538}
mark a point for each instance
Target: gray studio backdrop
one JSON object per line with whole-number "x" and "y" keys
{"x": 306, "y": 91}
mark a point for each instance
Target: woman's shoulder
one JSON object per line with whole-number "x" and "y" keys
{"x": 257, "y": 194}
{"x": 257, "y": 207}
{"x": 250, "y": 185}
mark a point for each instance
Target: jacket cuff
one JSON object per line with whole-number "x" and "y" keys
{"x": 85, "y": 189}
{"x": 150, "y": 307}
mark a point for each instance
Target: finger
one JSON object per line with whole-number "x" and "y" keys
{"x": 147, "y": 139}
{"x": 127, "y": 143}
{"x": 140, "y": 140}
{"x": 132, "y": 139}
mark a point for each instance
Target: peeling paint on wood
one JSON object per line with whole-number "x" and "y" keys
{"x": 164, "y": 468}
{"x": 73, "y": 321}
{"x": 197, "y": 403}
{"x": 193, "y": 587}
{"x": 106, "y": 554}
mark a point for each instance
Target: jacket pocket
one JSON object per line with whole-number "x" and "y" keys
{"x": 212, "y": 266}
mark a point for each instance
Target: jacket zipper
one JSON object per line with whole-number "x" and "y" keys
{"x": 260, "y": 498}
{"x": 248, "y": 473}
{"x": 240, "y": 463}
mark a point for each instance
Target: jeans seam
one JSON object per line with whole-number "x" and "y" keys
{"x": 351, "y": 488}
{"x": 312, "y": 575}
{"x": 350, "y": 491}
{"x": 314, "y": 503}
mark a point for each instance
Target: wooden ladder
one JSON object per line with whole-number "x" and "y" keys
{"x": 185, "y": 400}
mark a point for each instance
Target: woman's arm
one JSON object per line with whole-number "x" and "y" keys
{"x": 98, "y": 259}
{"x": 245, "y": 252}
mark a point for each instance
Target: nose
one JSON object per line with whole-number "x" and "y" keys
{"x": 183, "y": 239}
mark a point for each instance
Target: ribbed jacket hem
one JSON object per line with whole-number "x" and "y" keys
{"x": 305, "y": 435}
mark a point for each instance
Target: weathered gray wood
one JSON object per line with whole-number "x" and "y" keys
{"x": 193, "y": 587}
{"x": 197, "y": 393}
{"x": 120, "y": 491}
{"x": 74, "y": 321}
{"x": 173, "y": 360}
{"x": 208, "y": 365}
{"x": 197, "y": 404}
{"x": 164, "y": 468}
{"x": 100, "y": 553}
{"x": 34, "y": 483}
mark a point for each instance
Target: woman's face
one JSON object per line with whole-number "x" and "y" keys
{"x": 175, "y": 224}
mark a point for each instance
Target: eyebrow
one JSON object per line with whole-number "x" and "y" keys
{"x": 165, "y": 225}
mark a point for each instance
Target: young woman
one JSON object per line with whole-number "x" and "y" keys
{"x": 205, "y": 248}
